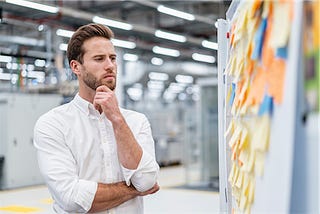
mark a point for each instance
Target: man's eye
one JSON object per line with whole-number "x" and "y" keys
{"x": 99, "y": 58}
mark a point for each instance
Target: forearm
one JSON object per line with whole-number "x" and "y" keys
{"x": 112, "y": 195}
{"x": 129, "y": 151}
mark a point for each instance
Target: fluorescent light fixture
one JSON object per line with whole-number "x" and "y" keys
{"x": 176, "y": 87}
{"x": 40, "y": 28}
{"x": 158, "y": 76}
{"x": 13, "y": 66}
{"x": 170, "y": 36}
{"x": 184, "y": 79}
{"x": 123, "y": 44}
{"x": 210, "y": 45}
{"x": 33, "y": 5}
{"x": 166, "y": 51}
{"x": 176, "y": 13}
{"x": 5, "y": 58}
{"x": 203, "y": 58}
{"x": 112, "y": 23}
{"x": 40, "y": 63}
{"x": 64, "y": 33}
{"x": 63, "y": 47}
{"x": 155, "y": 85}
{"x": 8, "y": 76}
{"x": 169, "y": 96}
{"x": 130, "y": 57}
{"x": 154, "y": 94}
{"x": 135, "y": 93}
{"x": 156, "y": 61}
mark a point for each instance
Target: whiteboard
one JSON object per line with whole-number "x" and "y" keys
{"x": 273, "y": 190}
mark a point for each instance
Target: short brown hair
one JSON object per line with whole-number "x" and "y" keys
{"x": 75, "y": 50}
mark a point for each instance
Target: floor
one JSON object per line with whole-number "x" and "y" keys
{"x": 170, "y": 199}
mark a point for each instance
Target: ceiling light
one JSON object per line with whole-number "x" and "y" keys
{"x": 5, "y": 58}
{"x": 112, "y": 23}
{"x": 210, "y": 45}
{"x": 155, "y": 85}
{"x": 63, "y": 47}
{"x": 8, "y": 76}
{"x": 64, "y": 33}
{"x": 40, "y": 28}
{"x": 203, "y": 58}
{"x": 170, "y": 36}
{"x": 135, "y": 93}
{"x": 158, "y": 76}
{"x": 33, "y": 5}
{"x": 186, "y": 79}
{"x": 156, "y": 61}
{"x": 176, "y": 87}
{"x": 130, "y": 57}
{"x": 166, "y": 51}
{"x": 123, "y": 44}
{"x": 40, "y": 63}
{"x": 176, "y": 13}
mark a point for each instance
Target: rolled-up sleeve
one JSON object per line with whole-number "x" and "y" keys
{"x": 59, "y": 169}
{"x": 145, "y": 176}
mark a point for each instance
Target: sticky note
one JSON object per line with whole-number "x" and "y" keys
{"x": 281, "y": 24}
{"x": 258, "y": 40}
{"x": 266, "y": 106}
{"x": 233, "y": 93}
{"x": 259, "y": 163}
{"x": 282, "y": 52}
{"x": 275, "y": 76}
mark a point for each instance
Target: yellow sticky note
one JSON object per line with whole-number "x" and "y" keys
{"x": 245, "y": 186}
{"x": 243, "y": 139}
{"x": 251, "y": 191}
{"x": 235, "y": 176}
{"x": 230, "y": 128}
{"x": 259, "y": 163}
{"x": 260, "y": 137}
{"x": 251, "y": 160}
{"x": 243, "y": 202}
{"x": 281, "y": 24}
{"x": 239, "y": 180}
{"x": 235, "y": 135}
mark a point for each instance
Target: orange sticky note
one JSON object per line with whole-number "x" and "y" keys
{"x": 275, "y": 79}
{"x": 257, "y": 88}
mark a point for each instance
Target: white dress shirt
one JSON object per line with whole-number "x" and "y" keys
{"x": 76, "y": 150}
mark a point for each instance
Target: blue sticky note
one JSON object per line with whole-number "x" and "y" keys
{"x": 233, "y": 93}
{"x": 266, "y": 105}
{"x": 258, "y": 39}
{"x": 282, "y": 52}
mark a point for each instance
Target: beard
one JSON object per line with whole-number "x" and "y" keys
{"x": 92, "y": 82}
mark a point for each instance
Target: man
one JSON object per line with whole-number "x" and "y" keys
{"x": 95, "y": 156}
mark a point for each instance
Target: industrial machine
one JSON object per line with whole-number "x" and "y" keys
{"x": 18, "y": 115}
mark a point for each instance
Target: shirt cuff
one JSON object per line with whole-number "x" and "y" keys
{"x": 146, "y": 165}
{"x": 85, "y": 194}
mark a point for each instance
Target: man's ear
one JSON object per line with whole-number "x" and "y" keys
{"x": 75, "y": 67}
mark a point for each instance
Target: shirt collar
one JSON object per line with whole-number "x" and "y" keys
{"x": 85, "y": 106}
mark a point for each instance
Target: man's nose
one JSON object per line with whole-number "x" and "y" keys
{"x": 108, "y": 64}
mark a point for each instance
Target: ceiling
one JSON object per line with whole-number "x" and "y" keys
{"x": 29, "y": 34}
{"x": 18, "y": 21}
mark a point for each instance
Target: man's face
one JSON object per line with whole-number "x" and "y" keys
{"x": 99, "y": 63}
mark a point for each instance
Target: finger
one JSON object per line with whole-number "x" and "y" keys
{"x": 103, "y": 88}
